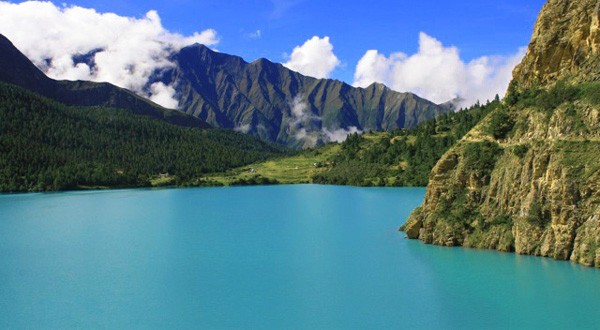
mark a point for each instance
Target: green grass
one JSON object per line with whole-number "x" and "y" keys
{"x": 298, "y": 168}
{"x": 160, "y": 181}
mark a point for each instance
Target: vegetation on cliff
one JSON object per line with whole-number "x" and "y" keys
{"x": 537, "y": 190}
{"x": 525, "y": 179}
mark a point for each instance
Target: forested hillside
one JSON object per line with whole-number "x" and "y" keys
{"x": 17, "y": 69}
{"x": 399, "y": 158}
{"x": 402, "y": 158}
{"x": 45, "y": 145}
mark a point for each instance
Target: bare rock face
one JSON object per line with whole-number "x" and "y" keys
{"x": 565, "y": 44}
{"x": 535, "y": 189}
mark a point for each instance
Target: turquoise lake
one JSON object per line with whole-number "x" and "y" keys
{"x": 266, "y": 257}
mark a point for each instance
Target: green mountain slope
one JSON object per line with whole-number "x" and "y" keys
{"x": 399, "y": 158}
{"x": 17, "y": 69}
{"x": 403, "y": 157}
{"x": 276, "y": 104}
{"x": 527, "y": 177}
{"x": 45, "y": 145}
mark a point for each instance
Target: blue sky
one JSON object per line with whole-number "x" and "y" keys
{"x": 475, "y": 27}
{"x": 440, "y": 50}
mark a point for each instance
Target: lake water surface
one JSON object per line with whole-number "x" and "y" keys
{"x": 274, "y": 257}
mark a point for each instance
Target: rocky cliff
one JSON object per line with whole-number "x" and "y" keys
{"x": 565, "y": 44}
{"x": 527, "y": 177}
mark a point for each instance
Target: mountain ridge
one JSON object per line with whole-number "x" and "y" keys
{"x": 259, "y": 97}
{"x": 17, "y": 69}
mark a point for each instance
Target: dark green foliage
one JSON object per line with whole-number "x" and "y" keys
{"x": 591, "y": 92}
{"x": 500, "y": 124}
{"x": 480, "y": 157}
{"x": 404, "y": 158}
{"x": 351, "y": 146}
{"x": 45, "y": 145}
{"x": 561, "y": 92}
{"x": 549, "y": 99}
{"x": 512, "y": 96}
{"x": 254, "y": 180}
{"x": 520, "y": 150}
{"x": 201, "y": 182}
{"x": 352, "y": 172}
{"x": 527, "y": 98}
{"x": 537, "y": 216}
{"x": 455, "y": 209}
{"x": 501, "y": 220}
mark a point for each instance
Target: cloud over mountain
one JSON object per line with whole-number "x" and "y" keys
{"x": 437, "y": 72}
{"x": 314, "y": 58}
{"x": 72, "y": 42}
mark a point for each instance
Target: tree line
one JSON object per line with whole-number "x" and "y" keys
{"x": 45, "y": 145}
{"x": 404, "y": 157}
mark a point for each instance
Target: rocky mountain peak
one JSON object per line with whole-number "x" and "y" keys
{"x": 565, "y": 44}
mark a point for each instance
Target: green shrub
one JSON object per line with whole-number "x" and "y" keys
{"x": 536, "y": 215}
{"x": 558, "y": 94}
{"x": 480, "y": 157}
{"x": 591, "y": 92}
{"x": 500, "y": 124}
{"x": 254, "y": 180}
{"x": 520, "y": 150}
{"x": 502, "y": 220}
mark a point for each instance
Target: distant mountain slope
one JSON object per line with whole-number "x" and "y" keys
{"x": 277, "y": 104}
{"x": 45, "y": 145}
{"x": 399, "y": 158}
{"x": 17, "y": 69}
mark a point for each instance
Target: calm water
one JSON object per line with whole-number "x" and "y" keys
{"x": 303, "y": 256}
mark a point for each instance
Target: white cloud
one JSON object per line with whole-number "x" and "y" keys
{"x": 314, "y": 58}
{"x": 339, "y": 135}
{"x": 302, "y": 124}
{"x": 301, "y": 117}
{"x": 243, "y": 128}
{"x": 163, "y": 95}
{"x": 438, "y": 73}
{"x": 310, "y": 139}
{"x": 255, "y": 35}
{"x": 127, "y": 50}
{"x": 300, "y": 112}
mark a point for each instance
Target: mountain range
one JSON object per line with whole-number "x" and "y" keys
{"x": 261, "y": 98}
{"x": 58, "y": 135}
{"x": 270, "y": 101}
{"x": 17, "y": 69}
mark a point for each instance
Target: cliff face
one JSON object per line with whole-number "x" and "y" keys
{"x": 527, "y": 177}
{"x": 565, "y": 44}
